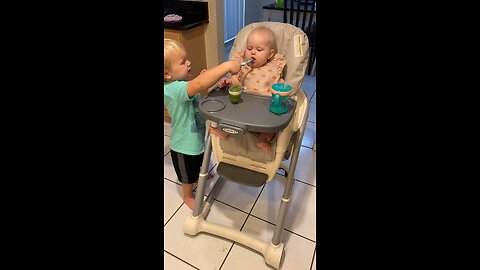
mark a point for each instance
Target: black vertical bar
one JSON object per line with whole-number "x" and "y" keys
{"x": 297, "y": 23}
{"x": 311, "y": 17}
{"x": 305, "y": 13}
{"x": 291, "y": 11}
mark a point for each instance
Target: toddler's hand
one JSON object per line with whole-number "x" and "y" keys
{"x": 235, "y": 65}
{"x": 203, "y": 70}
{"x": 238, "y": 54}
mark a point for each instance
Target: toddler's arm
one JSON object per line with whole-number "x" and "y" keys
{"x": 208, "y": 78}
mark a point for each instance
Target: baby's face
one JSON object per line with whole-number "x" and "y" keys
{"x": 259, "y": 49}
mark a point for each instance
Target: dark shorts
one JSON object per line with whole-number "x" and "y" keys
{"x": 187, "y": 167}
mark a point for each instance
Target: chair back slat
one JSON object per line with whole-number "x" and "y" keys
{"x": 291, "y": 12}
{"x": 298, "y": 14}
{"x": 304, "y": 15}
{"x": 310, "y": 20}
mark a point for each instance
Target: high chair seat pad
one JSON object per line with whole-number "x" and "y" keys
{"x": 292, "y": 43}
{"x": 246, "y": 145}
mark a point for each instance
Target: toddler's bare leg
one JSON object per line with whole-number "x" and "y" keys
{"x": 188, "y": 198}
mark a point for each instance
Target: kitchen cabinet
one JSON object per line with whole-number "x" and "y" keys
{"x": 194, "y": 41}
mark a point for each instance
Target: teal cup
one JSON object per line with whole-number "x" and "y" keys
{"x": 280, "y": 94}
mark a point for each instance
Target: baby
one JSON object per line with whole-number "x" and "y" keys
{"x": 259, "y": 75}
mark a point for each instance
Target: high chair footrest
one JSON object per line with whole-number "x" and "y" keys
{"x": 241, "y": 175}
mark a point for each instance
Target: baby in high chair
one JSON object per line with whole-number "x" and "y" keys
{"x": 259, "y": 75}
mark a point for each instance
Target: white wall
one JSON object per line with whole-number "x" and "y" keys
{"x": 234, "y": 18}
{"x": 254, "y": 11}
{"x": 215, "y": 49}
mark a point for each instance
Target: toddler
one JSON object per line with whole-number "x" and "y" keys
{"x": 181, "y": 99}
{"x": 259, "y": 75}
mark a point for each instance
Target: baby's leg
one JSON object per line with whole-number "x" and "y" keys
{"x": 266, "y": 137}
{"x": 219, "y": 133}
{"x": 264, "y": 141}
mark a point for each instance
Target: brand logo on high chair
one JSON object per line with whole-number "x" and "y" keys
{"x": 297, "y": 45}
{"x": 229, "y": 130}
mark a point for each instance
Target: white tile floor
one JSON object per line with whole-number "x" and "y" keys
{"x": 251, "y": 210}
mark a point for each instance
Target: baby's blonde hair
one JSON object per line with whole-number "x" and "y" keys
{"x": 171, "y": 48}
{"x": 269, "y": 34}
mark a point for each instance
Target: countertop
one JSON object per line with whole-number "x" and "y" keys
{"x": 193, "y": 14}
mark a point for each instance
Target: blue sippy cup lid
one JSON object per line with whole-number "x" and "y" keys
{"x": 281, "y": 87}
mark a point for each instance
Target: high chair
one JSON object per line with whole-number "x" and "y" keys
{"x": 238, "y": 158}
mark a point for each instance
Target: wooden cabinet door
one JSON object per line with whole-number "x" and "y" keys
{"x": 171, "y": 34}
{"x": 194, "y": 42}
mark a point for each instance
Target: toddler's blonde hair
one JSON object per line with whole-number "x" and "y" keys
{"x": 171, "y": 48}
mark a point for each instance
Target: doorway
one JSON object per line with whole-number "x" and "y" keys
{"x": 234, "y": 21}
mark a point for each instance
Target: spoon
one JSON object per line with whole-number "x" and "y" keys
{"x": 246, "y": 62}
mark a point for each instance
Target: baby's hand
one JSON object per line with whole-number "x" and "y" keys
{"x": 224, "y": 82}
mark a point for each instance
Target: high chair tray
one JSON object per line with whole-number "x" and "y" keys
{"x": 252, "y": 113}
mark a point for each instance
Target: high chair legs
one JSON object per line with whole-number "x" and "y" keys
{"x": 203, "y": 176}
{"x": 282, "y": 212}
{"x": 273, "y": 251}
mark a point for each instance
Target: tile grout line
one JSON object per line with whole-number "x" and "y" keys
{"x": 250, "y": 212}
{"x": 175, "y": 182}
{"x": 288, "y": 230}
{"x": 173, "y": 215}
{"x": 245, "y": 222}
{"x": 271, "y": 223}
{"x": 314, "y": 252}
{"x": 181, "y": 259}
{"x": 298, "y": 180}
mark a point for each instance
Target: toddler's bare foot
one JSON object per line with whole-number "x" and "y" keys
{"x": 218, "y": 133}
{"x": 265, "y": 146}
{"x": 189, "y": 201}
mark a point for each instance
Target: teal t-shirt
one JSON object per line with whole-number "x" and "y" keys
{"x": 188, "y": 127}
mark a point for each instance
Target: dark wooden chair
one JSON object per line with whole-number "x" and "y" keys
{"x": 301, "y": 14}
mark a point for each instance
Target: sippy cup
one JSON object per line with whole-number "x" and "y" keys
{"x": 280, "y": 93}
